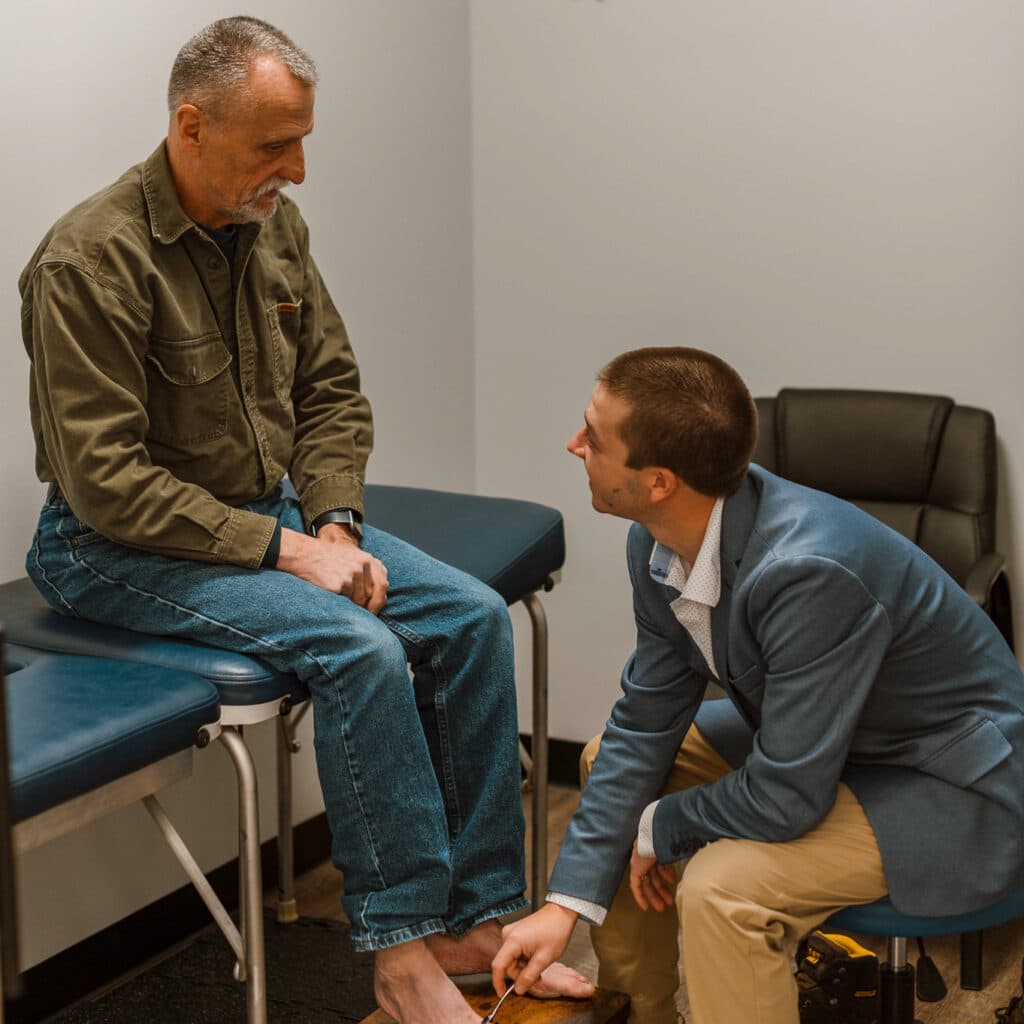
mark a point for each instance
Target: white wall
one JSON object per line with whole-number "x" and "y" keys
{"x": 826, "y": 194}
{"x": 387, "y": 199}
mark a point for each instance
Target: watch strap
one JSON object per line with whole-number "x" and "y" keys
{"x": 345, "y": 516}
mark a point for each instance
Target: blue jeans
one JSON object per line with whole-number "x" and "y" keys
{"x": 420, "y": 777}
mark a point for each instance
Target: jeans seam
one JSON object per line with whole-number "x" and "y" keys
{"x": 371, "y": 839}
{"x": 46, "y": 579}
{"x": 227, "y": 627}
{"x": 370, "y": 943}
{"x": 441, "y": 711}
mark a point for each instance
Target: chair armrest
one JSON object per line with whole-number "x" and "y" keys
{"x": 983, "y": 575}
{"x": 988, "y": 584}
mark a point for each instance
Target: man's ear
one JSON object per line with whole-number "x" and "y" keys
{"x": 190, "y": 125}
{"x": 661, "y": 484}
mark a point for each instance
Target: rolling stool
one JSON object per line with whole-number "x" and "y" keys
{"x": 897, "y": 975}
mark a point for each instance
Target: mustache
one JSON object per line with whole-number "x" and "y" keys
{"x": 273, "y": 185}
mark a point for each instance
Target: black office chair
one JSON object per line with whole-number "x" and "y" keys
{"x": 920, "y": 463}
{"x": 927, "y": 468}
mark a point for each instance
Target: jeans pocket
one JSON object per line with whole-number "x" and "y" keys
{"x": 75, "y": 533}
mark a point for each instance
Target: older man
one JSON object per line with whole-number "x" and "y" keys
{"x": 873, "y": 741}
{"x": 185, "y": 357}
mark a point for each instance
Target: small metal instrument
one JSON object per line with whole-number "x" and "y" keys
{"x": 490, "y": 1017}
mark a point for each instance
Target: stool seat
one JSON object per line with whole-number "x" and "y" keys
{"x": 883, "y": 919}
{"x": 511, "y": 545}
{"x": 78, "y": 723}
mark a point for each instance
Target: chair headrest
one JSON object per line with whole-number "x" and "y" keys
{"x": 865, "y": 445}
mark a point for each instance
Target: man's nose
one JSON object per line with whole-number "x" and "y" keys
{"x": 295, "y": 169}
{"x": 575, "y": 445}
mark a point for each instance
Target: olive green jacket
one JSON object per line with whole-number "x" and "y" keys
{"x": 163, "y": 395}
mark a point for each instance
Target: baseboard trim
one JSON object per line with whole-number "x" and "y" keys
{"x": 125, "y": 946}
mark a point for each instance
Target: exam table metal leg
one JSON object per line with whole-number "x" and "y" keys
{"x": 251, "y": 910}
{"x": 539, "y": 749}
{"x": 287, "y": 909}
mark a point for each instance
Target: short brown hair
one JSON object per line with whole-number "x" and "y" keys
{"x": 689, "y": 411}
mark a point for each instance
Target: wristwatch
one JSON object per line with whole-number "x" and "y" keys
{"x": 345, "y": 516}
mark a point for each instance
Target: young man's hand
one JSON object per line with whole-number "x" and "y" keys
{"x": 653, "y": 885}
{"x": 531, "y": 945}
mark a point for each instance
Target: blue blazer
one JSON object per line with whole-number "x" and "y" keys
{"x": 847, "y": 654}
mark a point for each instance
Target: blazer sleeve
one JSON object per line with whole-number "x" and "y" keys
{"x": 822, "y": 638}
{"x": 660, "y": 695}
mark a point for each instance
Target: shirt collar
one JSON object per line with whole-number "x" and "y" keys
{"x": 701, "y": 582}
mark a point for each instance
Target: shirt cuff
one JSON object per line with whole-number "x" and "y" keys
{"x": 645, "y": 831}
{"x": 273, "y": 552}
{"x": 590, "y": 912}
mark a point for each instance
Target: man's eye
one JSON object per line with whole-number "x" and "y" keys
{"x": 276, "y": 147}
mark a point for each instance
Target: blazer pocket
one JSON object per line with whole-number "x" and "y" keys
{"x": 969, "y": 756}
{"x": 750, "y": 683}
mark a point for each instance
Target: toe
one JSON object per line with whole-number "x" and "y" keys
{"x": 559, "y": 980}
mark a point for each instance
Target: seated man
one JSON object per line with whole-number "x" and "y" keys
{"x": 185, "y": 357}
{"x": 873, "y": 741}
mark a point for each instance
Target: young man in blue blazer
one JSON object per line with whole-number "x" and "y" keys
{"x": 872, "y": 743}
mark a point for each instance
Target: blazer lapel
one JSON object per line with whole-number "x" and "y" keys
{"x": 738, "y": 516}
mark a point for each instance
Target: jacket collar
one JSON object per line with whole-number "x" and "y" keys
{"x": 167, "y": 220}
{"x": 738, "y": 517}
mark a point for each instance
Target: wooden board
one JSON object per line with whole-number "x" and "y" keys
{"x": 604, "y": 1008}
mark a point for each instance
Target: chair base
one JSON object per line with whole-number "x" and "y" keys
{"x": 897, "y": 990}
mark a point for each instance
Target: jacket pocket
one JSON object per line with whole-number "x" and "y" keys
{"x": 188, "y": 389}
{"x": 969, "y": 756}
{"x": 750, "y": 683}
{"x": 285, "y": 320}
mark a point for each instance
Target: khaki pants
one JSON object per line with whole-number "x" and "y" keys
{"x": 741, "y": 906}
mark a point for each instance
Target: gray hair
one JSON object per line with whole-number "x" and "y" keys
{"x": 216, "y": 60}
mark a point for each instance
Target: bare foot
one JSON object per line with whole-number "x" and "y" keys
{"x": 472, "y": 954}
{"x": 411, "y": 987}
